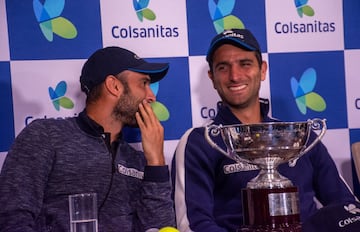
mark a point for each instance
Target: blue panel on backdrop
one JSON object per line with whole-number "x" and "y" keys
{"x": 6, "y": 109}
{"x": 351, "y": 24}
{"x": 174, "y": 94}
{"x": 53, "y": 29}
{"x": 355, "y": 137}
{"x": 309, "y": 85}
{"x": 204, "y": 19}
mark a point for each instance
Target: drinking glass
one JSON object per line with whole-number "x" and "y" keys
{"x": 83, "y": 212}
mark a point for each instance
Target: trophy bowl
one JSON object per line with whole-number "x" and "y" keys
{"x": 266, "y": 145}
{"x": 270, "y": 200}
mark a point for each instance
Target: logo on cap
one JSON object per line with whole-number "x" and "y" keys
{"x": 142, "y": 10}
{"x": 303, "y": 92}
{"x": 303, "y": 8}
{"x": 50, "y": 21}
{"x": 58, "y": 97}
{"x": 230, "y": 33}
{"x": 221, "y": 15}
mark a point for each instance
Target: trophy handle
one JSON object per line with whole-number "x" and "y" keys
{"x": 316, "y": 124}
{"x": 215, "y": 131}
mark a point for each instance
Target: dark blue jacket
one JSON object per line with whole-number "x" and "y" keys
{"x": 207, "y": 184}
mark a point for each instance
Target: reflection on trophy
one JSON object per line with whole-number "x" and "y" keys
{"x": 270, "y": 201}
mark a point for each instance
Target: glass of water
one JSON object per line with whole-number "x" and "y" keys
{"x": 83, "y": 212}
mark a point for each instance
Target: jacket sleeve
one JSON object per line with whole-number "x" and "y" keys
{"x": 23, "y": 179}
{"x": 329, "y": 186}
{"x": 156, "y": 205}
{"x": 193, "y": 177}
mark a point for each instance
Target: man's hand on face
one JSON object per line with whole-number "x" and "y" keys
{"x": 152, "y": 134}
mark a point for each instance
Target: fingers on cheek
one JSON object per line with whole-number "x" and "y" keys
{"x": 138, "y": 117}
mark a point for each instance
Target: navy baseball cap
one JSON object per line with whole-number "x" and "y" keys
{"x": 114, "y": 60}
{"x": 241, "y": 38}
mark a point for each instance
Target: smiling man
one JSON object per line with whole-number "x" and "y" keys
{"x": 208, "y": 184}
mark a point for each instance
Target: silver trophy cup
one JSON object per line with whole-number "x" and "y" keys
{"x": 267, "y": 145}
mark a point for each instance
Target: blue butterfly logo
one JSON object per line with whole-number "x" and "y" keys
{"x": 304, "y": 94}
{"x": 50, "y": 21}
{"x": 221, "y": 15}
{"x": 58, "y": 98}
{"x": 303, "y": 8}
{"x": 142, "y": 10}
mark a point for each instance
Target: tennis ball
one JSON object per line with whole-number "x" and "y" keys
{"x": 168, "y": 229}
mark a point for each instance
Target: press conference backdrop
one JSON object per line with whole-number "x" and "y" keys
{"x": 312, "y": 48}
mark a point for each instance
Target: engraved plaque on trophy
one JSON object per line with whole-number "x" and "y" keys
{"x": 270, "y": 200}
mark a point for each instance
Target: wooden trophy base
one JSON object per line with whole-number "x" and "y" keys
{"x": 271, "y": 210}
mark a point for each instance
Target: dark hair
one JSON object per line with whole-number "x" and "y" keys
{"x": 94, "y": 94}
{"x": 123, "y": 78}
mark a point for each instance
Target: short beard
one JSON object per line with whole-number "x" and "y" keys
{"x": 126, "y": 107}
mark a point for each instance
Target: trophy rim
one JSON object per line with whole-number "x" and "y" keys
{"x": 267, "y": 123}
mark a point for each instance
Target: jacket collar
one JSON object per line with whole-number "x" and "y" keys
{"x": 88, "y": 125}
{"x": 225, "y": 116}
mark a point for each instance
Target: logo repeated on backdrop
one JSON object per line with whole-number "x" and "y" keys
{"x": 206, "y": 18}
{"x": 6, "y": 109}
{"x": 303, "y": 8}
{"x": 51, "y": 29}
{"x": 58, "y": 97}
{"x": 56, "y": 94}
{"x": 303, "y": 92}
{"x": 304, "y": 26}
{"x": 50, "y": 21}
{"x": 142, "y": 10}
{"x": 160, "y": 26}
{"x": 221, "y": 15}
{"x": 302, "y": 89}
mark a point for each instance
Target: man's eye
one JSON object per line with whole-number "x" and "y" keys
{"x": 221, "y": 68}
{"x": 246, "y": 63}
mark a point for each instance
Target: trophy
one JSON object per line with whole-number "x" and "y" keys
{"x": 270, "y": 200}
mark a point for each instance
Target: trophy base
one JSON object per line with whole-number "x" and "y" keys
{"x": 271, "y": 210}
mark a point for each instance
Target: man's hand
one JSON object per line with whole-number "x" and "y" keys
{"x": 152, "y": 135}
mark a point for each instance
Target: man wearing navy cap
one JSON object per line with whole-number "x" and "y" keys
{"x": 207, "y": 184}
{"x": 54, "y": 158}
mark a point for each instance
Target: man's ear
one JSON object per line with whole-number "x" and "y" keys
{"x": 211, "y": 77}
{"x": 113, "y": 85}
{"x": 263, "y": 70}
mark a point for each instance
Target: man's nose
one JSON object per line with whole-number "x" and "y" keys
{"x": 150, "y": 96}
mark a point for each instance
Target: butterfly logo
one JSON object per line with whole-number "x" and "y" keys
{"x": 142, "y": 11}
{"x": 50, "y": 21}
{"x": 352, "y": 209}
{"x": 304, "y": 9}
{"x": 304, "y": 94}
{"x": 159, "y": 109}
{"x": 221, "y": 15}
{"x": 58, "y": 98}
